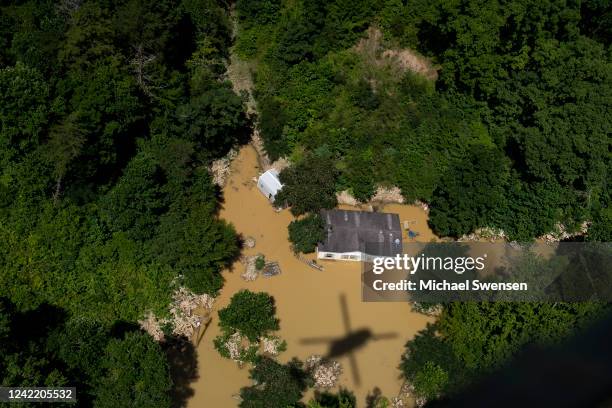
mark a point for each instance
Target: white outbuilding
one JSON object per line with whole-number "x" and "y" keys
{"x": 269, "y": 184}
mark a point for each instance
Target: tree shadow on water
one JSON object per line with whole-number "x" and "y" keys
{"x": 183, "y": 362}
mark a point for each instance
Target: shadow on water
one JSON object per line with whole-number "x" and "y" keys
{"x": 351, "y": 341}
{"x": 183, "y": 363}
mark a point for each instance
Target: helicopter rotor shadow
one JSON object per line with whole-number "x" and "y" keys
{"x": 350, "y": 342}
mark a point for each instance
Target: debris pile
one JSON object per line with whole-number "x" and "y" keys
{"x": 152, "y": 325}
{"x": 344, "y": 197}
{"x": 240, "y": 349}
{"x": 271, "y": 269}
{"x": 420, "y": 402}
{"x": 185, "y": 302}
{"x": 262, "y": 156}
{"x": 388, "y": 195}
{"x": 279, "y": 165}
{"x": 325, "y": 373}
{"x": 427, "y": 309}
{"x": 250, "y": 272}
{"x": 423, "y": 205}
{"x": 249, "y": 242}
{"x": 271, "y": 345}
{"x": 560, "y": 232}
{"x": 405, "y": 395}
{"x": 234, "y": 346}
{"x": 397, "y": 402}
{"x": 486, "y": 233}
{"x": 220, "y": 169}
{"x": 183, "y": 319}
{"x": 385, "y": 195}
{"x": 250, "y": 269}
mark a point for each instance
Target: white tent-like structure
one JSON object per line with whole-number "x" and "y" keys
{"x": 269, "y": 184}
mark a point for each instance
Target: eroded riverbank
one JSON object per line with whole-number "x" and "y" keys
{"x": 307, "y": 300}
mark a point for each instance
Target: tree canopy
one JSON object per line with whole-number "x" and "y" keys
{"x": 472, "y": 339}
{"x": 135, "y": 376}
{"x": 105, "y": 143}
{"x": 507, "y": 89}
{"x": 309, "y": 185}
{"x": 111, "y": 113}
{"x": 47, "y": 347}
{"x": 250, "y": 313}
{"x": 306, "y": 233}
{"x": 282, "y": 384}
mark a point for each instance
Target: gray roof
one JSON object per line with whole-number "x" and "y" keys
{"x": 373, "y": 233}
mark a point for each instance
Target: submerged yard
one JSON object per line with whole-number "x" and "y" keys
{"x": 308, "y": 302}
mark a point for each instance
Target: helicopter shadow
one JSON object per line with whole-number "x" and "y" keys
{"x": 351, "y": 341}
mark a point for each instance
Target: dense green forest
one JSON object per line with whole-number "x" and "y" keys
{"x": 110, "y": 114}
{"x": 470, "y": 340}
{"x": 502, "y": 120}
{"x": 109, "y": 367}
{"x": 497, "y": 114}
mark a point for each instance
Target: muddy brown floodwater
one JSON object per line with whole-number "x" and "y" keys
{"x": 307, "y": 301}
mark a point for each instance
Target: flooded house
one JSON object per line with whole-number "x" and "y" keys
{"x": 269, "y": 184}
{"x": 359, "y": 235}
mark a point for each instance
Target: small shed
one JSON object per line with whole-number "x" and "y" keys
{"x": 269, "y": 184}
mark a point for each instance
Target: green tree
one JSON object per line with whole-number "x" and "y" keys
{"x": 137, "y": 210}
{"x": 193, "y": 241}
{"x": 430, "y": 381}
{"x": 343, "y": 399}
{"x": 258, "y": 11}
{"x": 137, "y": 200}
{"x": 88, "y": 38}
{"x": 107, "y": 109}
{"x": 309, "y": 185}
{"x": 78, "y": 344}
{"x": 531, "y": 82}
{"x": 601, "y": 230}
{"x": 364, "y": 96}
{"x": 471, "y": 194}
{"x": 260, "y": 262}
{"x": 35, "y": 34}
{"x": 306, "y": 233}
{"x": 471, "y": 339}
{"x": 252, "y": 314}
{"x": 24, "y": 361}
{"x": 271, "y": 124}
{"x": 24, "y": 111}
{"x": 281, "y": 385}
{"x": 359, "y": 175}
{"x": 65, "y": 143}
{"x": 135, "y": 374}
{"x": 214, "y": 118}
